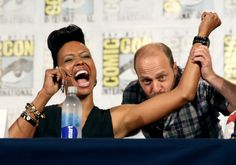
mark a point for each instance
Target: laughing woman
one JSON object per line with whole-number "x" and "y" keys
{"x": 74, "y": 64}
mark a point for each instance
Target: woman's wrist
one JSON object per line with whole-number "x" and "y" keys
{"x": 41, "y": 100}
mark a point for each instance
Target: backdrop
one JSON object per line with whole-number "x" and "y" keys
{"x": 114, "y": 30}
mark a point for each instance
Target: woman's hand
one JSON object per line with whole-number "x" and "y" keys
{"x": 54, "y": 80}
{"x": 210, "y": 21}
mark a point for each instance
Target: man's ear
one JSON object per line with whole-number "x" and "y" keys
{"x": 95, "y": 82}
{"x": 175, "y": 68}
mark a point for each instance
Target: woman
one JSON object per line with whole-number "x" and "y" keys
{"x": 75, "y": 67}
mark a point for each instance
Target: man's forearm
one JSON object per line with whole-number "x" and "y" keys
{"x": 226, "y": 88}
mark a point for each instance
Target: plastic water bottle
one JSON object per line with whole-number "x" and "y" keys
{"x": 71, "y": 117}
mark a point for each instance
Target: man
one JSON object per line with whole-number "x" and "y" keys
{"x": 158, "y": 73}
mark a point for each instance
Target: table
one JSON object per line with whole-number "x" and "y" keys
{"x": 117, "y": 151}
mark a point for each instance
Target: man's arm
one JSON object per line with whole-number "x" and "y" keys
{"x": 224, "y": 87}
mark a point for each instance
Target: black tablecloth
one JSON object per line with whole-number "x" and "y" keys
{"x": 117, "y": 151}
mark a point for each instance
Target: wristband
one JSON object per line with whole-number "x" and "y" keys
{"x": 202, "y": 40}
{"x": 31, "y": 108}
{"x": 29, "y": 119}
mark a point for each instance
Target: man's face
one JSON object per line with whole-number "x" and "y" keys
{"x": 154, "y": 72}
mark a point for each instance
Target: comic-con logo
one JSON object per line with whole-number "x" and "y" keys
{"x": 230, "y": 57}
{"x": 16, "y": 67}
{"x": 52, "y": 7}
{"x": 117, "y": 60}
{"x": 17, "y": 48}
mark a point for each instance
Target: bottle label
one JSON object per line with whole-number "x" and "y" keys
{"x": 69, "y": 132}
{"x": 70, "y": 119}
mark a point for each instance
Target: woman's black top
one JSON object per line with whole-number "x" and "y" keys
{"x": 97, "y": 125}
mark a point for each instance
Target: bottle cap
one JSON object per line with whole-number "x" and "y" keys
{"x": 72, "y": 89}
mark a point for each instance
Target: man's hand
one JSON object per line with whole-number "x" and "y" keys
{"x": 202, "y": 55}
{"x": 210, "y": 21}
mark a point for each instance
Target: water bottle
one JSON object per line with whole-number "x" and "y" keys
{"x": 71, "y": 117}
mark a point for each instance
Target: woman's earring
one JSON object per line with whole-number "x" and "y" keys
{"x": 62, "y": 88}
